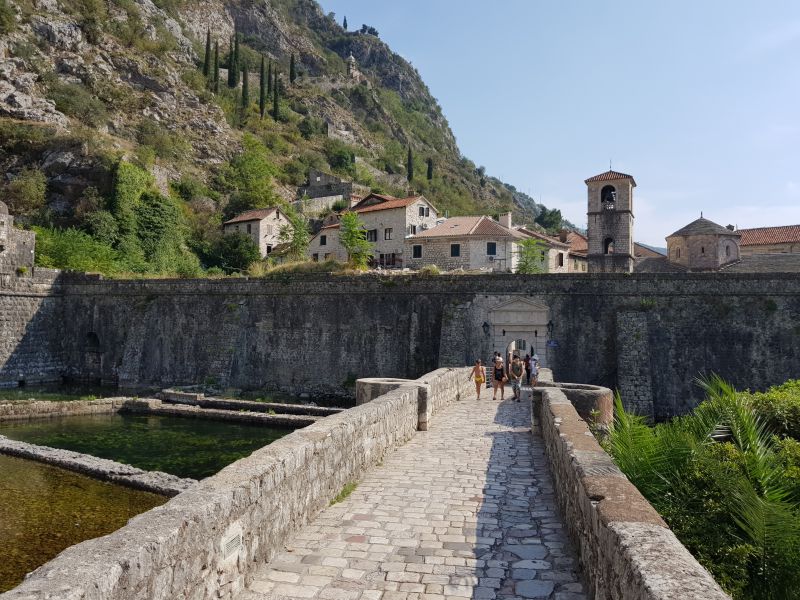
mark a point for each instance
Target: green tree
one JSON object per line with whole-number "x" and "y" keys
{"x": 292, "y": 69}
{"x": 295, "y": 233}
{"x": 216, "y": 67}
{"x": 103, "y": 227}
{"x": 231, "y": 66}
{"x": 531, "y": 256}
{"x": 237, "y": 59}
{"x": 262, "y": 89}
{"x": 207, "y": 58}
{"x": 276, "y": 107}
{"x": 550, "y": 219}
{"x": 430, "y": 169}
{"x": 75, "y": 250}
{"x": 410, "y": 165}
{"x": 269, "y": 80}
{"x": 234, "y": 252}
{"x": 344, "y": 23}
{"x": 353, "y": 238}
{"x": 27, "y": 191}
{"x": 248, "y": 178}
{"x": 245, "y": 87}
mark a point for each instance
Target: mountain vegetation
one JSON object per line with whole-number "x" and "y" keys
{"x": 727, "y": 481}
{"x": 131, "y": 129}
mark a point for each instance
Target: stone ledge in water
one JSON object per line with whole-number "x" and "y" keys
{"x": 99, "y": 468}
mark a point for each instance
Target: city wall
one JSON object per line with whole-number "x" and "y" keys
{"x": 648, "y": 335}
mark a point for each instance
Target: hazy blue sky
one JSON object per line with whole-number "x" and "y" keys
{"x": 699, "y": 101}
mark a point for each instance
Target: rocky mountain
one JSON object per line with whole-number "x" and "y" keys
{"x": 111, "y": 109}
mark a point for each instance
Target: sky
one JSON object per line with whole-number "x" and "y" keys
{"x": 699, "y": 101}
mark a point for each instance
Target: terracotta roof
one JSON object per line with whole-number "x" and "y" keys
{"x": 703, "y": 226}
{"x": 611, "y": 176}
{"x": 765, "y": 263}
{"x": 578, "y": 243}
{"x": 542, "y": 236}
{"x": 388, "y": 203}
{"x": 640, "y": 250}
{"x": 787, "y": 234}
{"x": 470, "y": 226}
{"x": 251, "y": 215}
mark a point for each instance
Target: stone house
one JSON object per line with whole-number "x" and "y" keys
{"x": 469, "y": 243}
{"x": 702, "y": 245}
{"x": 387, "y": 221}
{"x": 556, "y": 258}
{"x": 262, "y": 224}
{"x": 16, "y": 245}
{"x": 770, "y": 240}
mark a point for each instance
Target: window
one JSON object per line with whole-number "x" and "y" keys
{"x": 421, "y": 211}
{"x": 427, "y": 212}
{"x": 387, "y": 260}
{"x": 387, "y": 233}
{"x": 269, "y": 248}
{"x": 416, "y": 251}
{"x": 560, "y": 259}
{"x": 315, "y": 257}
{"x": 727, "y": 250}
{"x": 237, "y": 228}
{"x": 455, "y": 250}
{"x": 268, "y": 230}
{"x": 413, "y": 230}
{"x": 327, "y": 255}
{"x": 608, "y": 246}
{"x": 491, "y": 248}
{"x": 323, "y": 240}
{"x": 678, "y": 252}
{"x": 249, "y": 228}
{"x": 372, "y": 235}
{"x": 702, "y": 249}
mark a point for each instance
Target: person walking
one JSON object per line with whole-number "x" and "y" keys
{"x": 515, "y": 373}
{"x": 499, "y": 378}
{"x": 478, "y": 375}
{"x": 527, "y": 362}
{"x": 534, "y": 369}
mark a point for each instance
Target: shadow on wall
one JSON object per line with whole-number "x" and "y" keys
{"x": 31, "y": 328}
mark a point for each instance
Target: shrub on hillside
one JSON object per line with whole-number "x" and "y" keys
{"x": 103, "y": 227}
{"x": 7, "y": 17}
{"x": 166, "y": 144}
{"x": 75, "y": 250}
{"x": 234, "y": 252}
{"x": 74, "y": 100}
{"x": 26, "y": 192}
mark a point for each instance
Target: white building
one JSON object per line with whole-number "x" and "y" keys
{"x": 387, "y": 221}
{"x": 263, "y": 225}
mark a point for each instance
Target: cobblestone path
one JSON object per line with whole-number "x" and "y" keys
{"x": 464, "y": 510}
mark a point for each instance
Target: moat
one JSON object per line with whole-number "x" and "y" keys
{"x": 44, "y": 510}
{"x": 185, "y": 447}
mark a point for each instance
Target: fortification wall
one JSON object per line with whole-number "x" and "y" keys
{"x": 648, "y": 334}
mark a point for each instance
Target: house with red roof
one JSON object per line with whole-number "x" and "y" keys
{"x": 387, "y": 221}
{"x": 263, "y": 225}
{"x": 770, "y": 240}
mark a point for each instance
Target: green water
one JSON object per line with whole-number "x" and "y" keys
{"x": 185, "y": 447}
{"x": 44, "y": 510}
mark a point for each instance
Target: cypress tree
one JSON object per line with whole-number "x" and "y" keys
{"x": 207, "y": 59}
{"x": 231, "y": 66}
{"x": 344, "y": 23}
{"x": 430, "y": 169}
{"x": 410, "y": 165}
{"x": 269, "y": 80}
{"x": 275, "y": 100}
{"x": 216, "y": 67}
{"x": 236, "y": 59}
{"x": 292, "y": 70}
{"x": 262, "y": 89}
{"x": 245, "y": 87}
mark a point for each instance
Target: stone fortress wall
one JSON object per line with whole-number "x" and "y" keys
{"x": 649, "y": 335}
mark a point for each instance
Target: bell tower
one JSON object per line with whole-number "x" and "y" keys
{"x": 610, "y": 218}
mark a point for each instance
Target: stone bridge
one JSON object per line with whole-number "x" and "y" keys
{"x": 454, "y": 498}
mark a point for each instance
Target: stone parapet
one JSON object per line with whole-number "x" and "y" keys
{"x": 206, "y": 542}
{"x": 42, "y": 409}
{"x": 625, "y": 548}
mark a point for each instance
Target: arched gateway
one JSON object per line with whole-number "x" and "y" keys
{"x": 522, "y": 325}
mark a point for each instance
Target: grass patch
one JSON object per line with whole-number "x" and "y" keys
{"x": 346, "y": 491}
